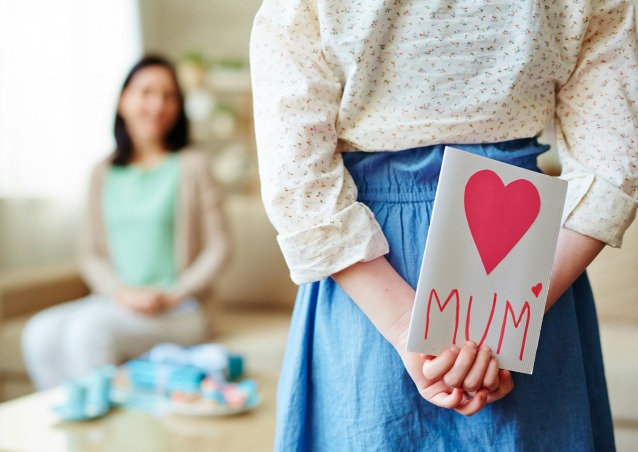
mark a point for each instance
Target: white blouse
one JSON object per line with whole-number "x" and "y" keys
{"x": 332, "y": 76}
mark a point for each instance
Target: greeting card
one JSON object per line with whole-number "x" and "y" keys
{"x": 488, "y": 259}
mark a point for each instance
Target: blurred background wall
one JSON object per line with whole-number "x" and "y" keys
{"x": 216, "y": 28}
{"x": 61, "y": 66}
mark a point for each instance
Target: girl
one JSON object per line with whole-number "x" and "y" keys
{"x": 354, "y": 102}
{"x": 153, "y": 241}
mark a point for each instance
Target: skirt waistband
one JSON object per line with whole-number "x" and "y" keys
{"x": 412, "y": 175}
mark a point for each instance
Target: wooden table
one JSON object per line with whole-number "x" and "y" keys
{"x": 29, "y": 424}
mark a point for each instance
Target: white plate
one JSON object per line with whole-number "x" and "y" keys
{"x": 194, "y": 409}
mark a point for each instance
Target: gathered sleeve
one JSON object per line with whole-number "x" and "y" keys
{"x": 308, "y": 193}
{"x": 597, "y": 126}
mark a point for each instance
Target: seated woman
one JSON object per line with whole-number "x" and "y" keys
{"x": 152, "y": 245}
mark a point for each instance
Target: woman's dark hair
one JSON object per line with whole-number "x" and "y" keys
{"x": 175, "y": 139}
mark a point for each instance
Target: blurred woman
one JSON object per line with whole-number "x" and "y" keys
{"x": 152, "y": 244}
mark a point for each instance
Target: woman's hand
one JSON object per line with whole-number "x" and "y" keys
{"x": 142, "y": 300}
{"x": 146, "y": 300}
{"x": 169, "y": 301}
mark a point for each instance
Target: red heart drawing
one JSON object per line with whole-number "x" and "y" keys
{"x": 498, "y": 215}
{"x": 537, "y": 289}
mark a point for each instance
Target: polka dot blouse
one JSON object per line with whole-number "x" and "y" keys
{"x": 333, "y": 76}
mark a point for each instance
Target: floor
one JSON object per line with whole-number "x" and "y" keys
{"x": 614, "y": 280}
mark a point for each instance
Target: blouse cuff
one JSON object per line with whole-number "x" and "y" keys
{"x": 352, "y": 235}
{"x": 597, "y": 209}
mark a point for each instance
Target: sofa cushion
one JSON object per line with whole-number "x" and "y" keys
{"x": 11, "y": 361}
{"x": 27, "y": 290}
{"x": 256, "y": 273}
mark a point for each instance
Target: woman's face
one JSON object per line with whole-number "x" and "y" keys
{"x": 150, "y": 105}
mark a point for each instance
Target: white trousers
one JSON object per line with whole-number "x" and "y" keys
{"x": 70, "y": 339}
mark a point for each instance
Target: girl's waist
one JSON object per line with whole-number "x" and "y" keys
{"x": 412, "y": 175}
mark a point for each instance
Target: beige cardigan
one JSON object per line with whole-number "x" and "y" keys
{"x": 201, "y": 242}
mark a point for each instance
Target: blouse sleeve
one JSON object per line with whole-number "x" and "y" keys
{"x": 309, "y": 195}
{"x": 597, "y": 126}
{"x": 94, "y": 259}
{"x": 204, "y": 270}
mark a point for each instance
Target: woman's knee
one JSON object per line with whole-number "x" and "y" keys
{"x": 88, "y": 330}
{"x": 41, "y": 335}
{"x": 91, "y": 339}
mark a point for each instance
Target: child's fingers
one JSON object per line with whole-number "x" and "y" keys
{"x": 491, "y": 380}
{"x": 506, "y": 386}
{"x": 455, "y": 376}
{"x": 474, "y": 379}
{"x": 440, "y": 395}
{"x": 436, "y": 368}
{"x": 434, "y": 389}
{"x": 475, "y": 405}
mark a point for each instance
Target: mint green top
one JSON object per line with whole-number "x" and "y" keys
{"x": 139, "y": 215}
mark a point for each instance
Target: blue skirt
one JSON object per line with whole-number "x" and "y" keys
{"x": 344, "y": 388}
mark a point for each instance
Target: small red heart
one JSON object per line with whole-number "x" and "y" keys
{"x": 537, "y": 289}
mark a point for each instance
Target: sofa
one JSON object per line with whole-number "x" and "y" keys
{"x": 252, "y": 300}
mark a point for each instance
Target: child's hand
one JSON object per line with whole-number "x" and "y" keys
{"x": 387, "y": 300}
{"x": 435, "y": 390}
{"x": 470, "y": 369}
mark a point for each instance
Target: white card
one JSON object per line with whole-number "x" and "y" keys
{"x": 488, "y": 259}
